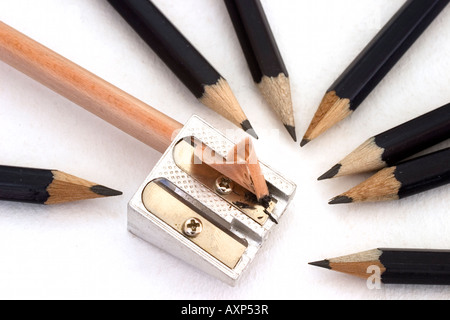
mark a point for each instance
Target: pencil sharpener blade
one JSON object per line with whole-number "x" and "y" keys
{"x": 180, "y": 209}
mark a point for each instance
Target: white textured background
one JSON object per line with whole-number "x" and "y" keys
{"x": 83, "y": 250}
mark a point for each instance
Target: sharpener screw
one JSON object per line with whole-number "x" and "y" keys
{"x": 192, "y": 227}
{"x": 224, "y": 186}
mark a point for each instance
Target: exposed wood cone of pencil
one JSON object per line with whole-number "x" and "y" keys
{"x": 390, "y": 147}
{"x": 43, "y": 186}
{"x": 406, "y": 179}
{"x": 67, "y": 188}
{"x": 277, "y": 92}
{"x": 240, "y": 165}
{"x": 366, "y": 158}
{"x": 332, "y": 110}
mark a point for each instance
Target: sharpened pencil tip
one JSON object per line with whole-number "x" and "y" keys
{"x": 249, "y": 129}
{"x": 291, "y": 131}
{"x": 331, "y": 173}
{"x": 321, "y": 264}
{"x": 304, "y": 142}
{"x": 341, "y": 200}
{"x": 105, "y": 191}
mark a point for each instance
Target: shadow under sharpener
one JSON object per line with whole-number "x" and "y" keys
{"x": 180, "y": 209}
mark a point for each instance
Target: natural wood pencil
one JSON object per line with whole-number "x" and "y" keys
{"x": 394, "y": 266}
{"x": 388, "y": 148}
{"x": 362, "y": 76}
{"x": 185, "y": 61}
{"x": 263, "y": 57}
{"x": 42, "y": 186}
{"x": 406, "y": 179}
{"x": 87, "y": 90}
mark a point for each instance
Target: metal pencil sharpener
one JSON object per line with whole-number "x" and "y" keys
{"x": 193, "y": 212}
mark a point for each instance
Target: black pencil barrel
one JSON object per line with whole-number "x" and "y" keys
{"x": 424, "y": 173}
{"x": 24, "y": 184}
{"x": 244, "y": 40}
{"x": 415, "y": 266}
{"x": 256, "y": 38}
{"x": 415, "y": 135}
{"x": 168, "y": 43}
{"x": 386, "y": 49}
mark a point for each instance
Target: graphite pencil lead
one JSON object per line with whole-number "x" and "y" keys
{"x": 105, "y": 191}
{"x": 321, "y": 264}
{"x": 291, "y": 131}
{"x": 304, "y": 142}
{"x": 341, "y": 200}
{"x": 330, "y": 173}
{"x": 247, "y": 127}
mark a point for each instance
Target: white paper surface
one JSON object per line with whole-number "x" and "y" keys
{"x": 84, "y": 251}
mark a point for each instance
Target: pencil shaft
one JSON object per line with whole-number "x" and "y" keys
{"x": 424, "y": 173}
{"x": 24, "y": 184}
{"x": 256, "y": 38}
{"x": 244, "y": 40}
{"x": 415, "y": 135}
{"x": 410, "y": 266}
{"x": 168, "y": 43}
{"x": 87, "y": 90}
{"x": 386, "y": 49}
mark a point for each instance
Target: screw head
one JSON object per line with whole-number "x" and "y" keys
{"x": 224, "y": 186}
{"x": 192, "y": 227}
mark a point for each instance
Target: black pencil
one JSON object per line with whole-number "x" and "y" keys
{"x": 41, "y": 186}
{"x": 362, "y": 76}
{"x": 395, "y": 266}
{"x": 406, "y": 179}
{"x": 388, "y": 148}
{"x": 263, "y": 57}
{"x": 185, "y": 61}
